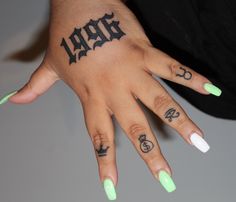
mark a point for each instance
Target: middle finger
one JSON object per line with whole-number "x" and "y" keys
{"x": 133, "y": 121}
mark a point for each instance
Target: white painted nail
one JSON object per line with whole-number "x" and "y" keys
{"x": 199, "y": 142}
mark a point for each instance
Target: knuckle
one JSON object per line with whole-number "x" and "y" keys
{"x": 161, "y": 102}
{"x": 173, "y": 67}
{"x": 153, "y": 160}
{"x": 101, "y": 138}
{"x": 30, "y": 87}
{"x": 91, "y": 97}
{"x": 105, "y": 162}
{"x": 84, "y": 94}
{"x": 137, "y": 49}
{"x": 135, "y": 52}
{"x": 104, "y": 78}
{"x": 181, "y": 121}
{"x": 135, "y": 129}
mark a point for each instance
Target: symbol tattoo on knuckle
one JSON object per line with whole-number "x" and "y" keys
{"x": 145, "y": 145}
{"x": 171, "y": 114}
{"x": 187, "y": 75}
{"x": 94, "y": 31}
{"x": 102, "y": 151}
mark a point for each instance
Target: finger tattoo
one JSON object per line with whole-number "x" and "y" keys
{"x": 145, "y": 145}
{"x": 171, "y": 114}
{"x": 187, "y": 75}
{"x": 102, "y": 151}
{"x": 98, "y": 31}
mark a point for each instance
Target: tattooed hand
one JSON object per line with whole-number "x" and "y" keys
{"x": 100, "y": 50}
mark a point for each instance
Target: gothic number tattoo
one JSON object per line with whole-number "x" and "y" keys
{"x": 92, "y": 32}
{"x": 145, "y": 145}
{"x": 187, "y": 75}
{"x": 171, "y": 114}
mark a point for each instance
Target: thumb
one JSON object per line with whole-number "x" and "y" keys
{"x": 40, "y": 81}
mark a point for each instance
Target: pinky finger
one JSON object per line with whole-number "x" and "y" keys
{"x": 100, "y": 128}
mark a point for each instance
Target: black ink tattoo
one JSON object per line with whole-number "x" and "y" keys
{"x": 145, "y": 145}
{"x": 102, "y": 151}
{"x": 94, "y": 32}
{"x": 81, "y": 44}
{"x": 171, "y": 114}
{"x": 187, "y": 75}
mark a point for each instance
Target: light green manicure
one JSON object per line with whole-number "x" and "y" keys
{"x": 5, "y": 98}
{"x": 109, "y": 189}
{"x": 210, "y": 88}
{"x": 166, "y": 181}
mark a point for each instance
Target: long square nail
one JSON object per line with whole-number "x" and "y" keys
{"x": 109, "y": 189}
{"x": 212, "y": 89}
{"x": 199, "y": 142}
{"x": 166, "y": 181}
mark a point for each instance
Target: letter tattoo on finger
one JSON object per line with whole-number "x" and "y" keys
{"x": 171, "y": 114}
{"x": 187, "y": 75}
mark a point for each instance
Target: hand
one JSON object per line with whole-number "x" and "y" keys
{"x": 109, "y": 63}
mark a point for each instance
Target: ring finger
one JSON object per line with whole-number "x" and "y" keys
{"x": 134, "y": 123}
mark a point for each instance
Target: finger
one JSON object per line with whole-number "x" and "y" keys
{"x": 134, "y": 123}
{"x": 100, "y": 128}
{"x": 168, "y": 68}
{"x": 155, "y": 97}
{"x": 40, "y": 81}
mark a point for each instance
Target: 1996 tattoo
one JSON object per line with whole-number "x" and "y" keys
{"x": 93, "y": 30}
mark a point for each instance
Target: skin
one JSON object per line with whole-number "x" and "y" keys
{"x": 110, "y": 79}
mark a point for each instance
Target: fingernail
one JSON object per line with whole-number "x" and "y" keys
{"x": 166, "y": 181}
{"x": 210, "y": 88}
{"x": 109, "y": 189}
{"x": 5, "y": 98}
{"x": 199, "y": 142}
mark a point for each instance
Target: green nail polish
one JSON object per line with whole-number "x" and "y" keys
{"x": 210, "y": 88}
{"x": 166, "y": 181}
{"x": 5, "y": 98}
{"x": 109, "y": 189}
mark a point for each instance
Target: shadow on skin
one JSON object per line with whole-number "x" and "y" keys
{"x": 158, "y": 126}
{"x": 34, "y": 49}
